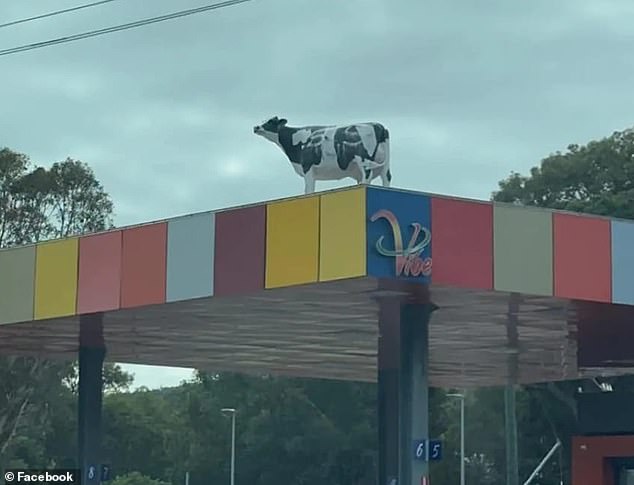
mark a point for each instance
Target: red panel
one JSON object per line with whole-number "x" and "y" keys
{"x": 239, "y": 251}
{"x": 582, "y": 257}
{"x": 590, "y": 454}
{"x": 462, "y": 243}
{"x": 144, "y": 262}
{"x": 99, "y": 285}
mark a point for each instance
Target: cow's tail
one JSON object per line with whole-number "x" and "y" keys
{"x": 371, "y": 164}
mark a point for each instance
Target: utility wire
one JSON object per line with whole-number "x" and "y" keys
{"x": 52, "y": 14}
{"x": 117, "y": 28}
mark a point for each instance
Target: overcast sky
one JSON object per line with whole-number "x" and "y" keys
{"x": 470, "y": 91}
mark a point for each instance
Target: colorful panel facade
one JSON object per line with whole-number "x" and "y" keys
{"x": 623, "y": 262}
{"x": 99, "y": 285}
{"x": 143, "y": 265}
{"x": 522, "y": 250}
{"x": 399, "y": 235}
{"x": 462, "y": 243}
{"x": 342, "y": 244}
{"x": 17, "y": 271}
{"x": 343, "y": 234}
{"x": 583, "y": 261}
{"x": 240, "y": 251}
{"x": 190, "y": 257}
{"x": 292, "y": 242}
{"x": 56, "y": 278}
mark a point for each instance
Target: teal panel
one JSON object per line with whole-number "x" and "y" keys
{"x": 17, "y": 275}
{"x": 190, "y": 257}
{"x": 523, "y": 250}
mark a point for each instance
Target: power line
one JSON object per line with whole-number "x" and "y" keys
{"x": 117, "y": 28}
{"x": 52, "y": 14}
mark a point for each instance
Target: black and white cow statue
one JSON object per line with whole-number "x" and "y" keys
{"x": 360, "y": 151}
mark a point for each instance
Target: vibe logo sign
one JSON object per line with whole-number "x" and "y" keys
{"x": 408, "y": 260}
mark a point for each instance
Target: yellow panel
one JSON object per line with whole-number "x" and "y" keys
{"x": 342, "y": 235}
{"x": 292, "y": 242}
{"x": 56, "y": 279}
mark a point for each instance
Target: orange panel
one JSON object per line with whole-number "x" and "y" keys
{"x": 582, "y": 257}
{"x": 99, "y": 273}
{"x": 144, "y": 265}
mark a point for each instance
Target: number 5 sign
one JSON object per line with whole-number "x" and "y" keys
{"x": 435, "y": 450}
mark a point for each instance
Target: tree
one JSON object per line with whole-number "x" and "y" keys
{"x": 294, "y": 431}
{"x": 596, "y": 178}
{"x": 143, "y": 432}
{"x": 35, "y": 204}
{"x": 136, "y": 478}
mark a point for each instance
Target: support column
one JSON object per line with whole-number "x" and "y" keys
{"x": 510, "y": 410}
{"x": 91, "y": 357}
{"x": 414, "y": 390}
{"x": 388, "y": 390}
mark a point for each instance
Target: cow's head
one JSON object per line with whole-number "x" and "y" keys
{"x": 270, "y": 129}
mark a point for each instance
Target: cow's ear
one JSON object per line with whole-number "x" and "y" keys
{"x": 283, "y": 121}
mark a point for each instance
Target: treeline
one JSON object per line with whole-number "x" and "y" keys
{"x": 291, "y": 431}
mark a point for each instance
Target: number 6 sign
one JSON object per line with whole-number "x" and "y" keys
{"x": 420, "y": 452}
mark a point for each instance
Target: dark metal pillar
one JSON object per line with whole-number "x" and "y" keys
{"x": 388, "y": 390}
{"x": 91, "y": 357}
{"x": 414, "y": 391}
{"x": 512, "y": 335}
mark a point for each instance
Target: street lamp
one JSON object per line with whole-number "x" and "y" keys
{"x": 232, "y": 412}
{"x": 461, "y": 397}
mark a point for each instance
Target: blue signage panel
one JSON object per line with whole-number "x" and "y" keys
{"x": 398, "y": 235}
{"x": 435, "y": 450}
{"x": 420, "y": 449}
{"x": 105, "y": 473}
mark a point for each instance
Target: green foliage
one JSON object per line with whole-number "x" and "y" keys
{"x": 142, "y": 432}
{"x": 35, "y": 204}
{"x": 597, "y": 178}
{"x": 114, "y": 378}
{"x": 286, "y": 422}
{"x": 135, "y": 478}
{"x": 38, "y": 203}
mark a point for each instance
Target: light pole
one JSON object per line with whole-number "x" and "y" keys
{"x": 232, "y": 412}
{"x": 461, "y": 397}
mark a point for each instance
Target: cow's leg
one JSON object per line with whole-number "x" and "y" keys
{"x": 309, "y": 182}
{"x": 386, "y": 177}
{"x": 365, "y": 173}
